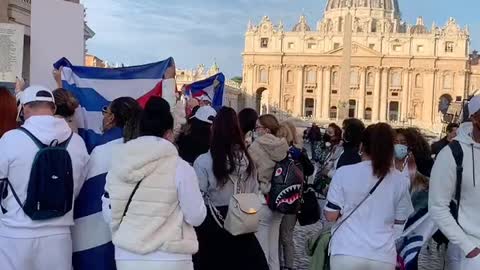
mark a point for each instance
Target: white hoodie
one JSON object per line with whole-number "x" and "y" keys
{"x": 17, "y": 152}
{"x": 442, "y": 191}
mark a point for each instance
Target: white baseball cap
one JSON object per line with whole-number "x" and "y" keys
{"x": 474, "y": 105}
{"x": 205, "y": 114}
{"x": 36, "y": 93}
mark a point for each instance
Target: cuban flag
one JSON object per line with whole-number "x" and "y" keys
{"x": 96, "y": 88}
{"x": 418, "y": 230}
{"x": 210, "y": 89}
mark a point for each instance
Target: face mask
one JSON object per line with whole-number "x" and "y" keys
{"x": 401, "y": 151}
{"x": 326, "y": 137}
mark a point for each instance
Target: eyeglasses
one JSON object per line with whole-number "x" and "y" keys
{"x": 105, "y": 110}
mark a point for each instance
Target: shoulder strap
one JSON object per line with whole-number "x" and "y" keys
{"x": 34, "y": 139}
{"x": 360, "y": 204}
{"x": 457, "y": 153}
{"x": 15, "y": 195}
{"x": 66, "y": 142}
{"x": 130, "y": 200}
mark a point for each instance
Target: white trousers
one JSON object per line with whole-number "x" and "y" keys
{"x": 454, "y": 257}
{"x": 43, "y": 253}
{"x": 154, "y": 265}
{"x": 339, "y": 262}
{"x": 268, "y": 235}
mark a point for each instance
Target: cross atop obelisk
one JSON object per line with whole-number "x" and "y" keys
{"x": 346, "y": 66}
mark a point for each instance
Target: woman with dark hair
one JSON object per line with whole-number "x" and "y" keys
{"x": 100, "y": 251}
{"x": 266, "y": 151}
{"x": 66, "y": 105}
{"x": 194, "y": 140}
{"x": 116, "y": 117}
{"x": 248, "y": 119}
{"x": 8, "y": 111}
{"x": 352, "y": 134}
{"x": 227, "y": 164}
{"x": 154, "y": 197}
{"x": 328, "y": 155}
{"x": 421, "y": 151}
{"x": 366, "y": 200}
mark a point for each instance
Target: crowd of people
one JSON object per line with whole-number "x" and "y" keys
{"x": 145, "y": 194}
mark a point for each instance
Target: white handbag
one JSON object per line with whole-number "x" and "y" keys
{"x": 242, "y": 216}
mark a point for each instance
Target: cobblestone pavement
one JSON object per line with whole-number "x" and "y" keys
{"x": 430, "y": 259}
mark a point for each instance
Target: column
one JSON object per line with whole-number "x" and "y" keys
{"x": 428, "y": 93}
{"x": 250, "y": 82}
{"x": 318, "y": 94}
{"x": 275, "y": 80}
{"x": 384, "y": 95}
{"x": 405, "y": 90}
{"x": 361, "y": 96}
{"x": 299, "y": 93}
{"x": 326, "y": 92}
{"x": 376, "y": 96}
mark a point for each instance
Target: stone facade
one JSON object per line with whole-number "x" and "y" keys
{"x": 232, "y": 95}
{"x": 399, "y": 73}
{"x": 18, "y": 12}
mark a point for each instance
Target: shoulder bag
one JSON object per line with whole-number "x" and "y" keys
{"x": 242, "y": 216}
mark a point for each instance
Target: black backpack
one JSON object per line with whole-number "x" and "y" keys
{"x": 50, "y": 187}
{"x": 287, "y": 187}
{"x": 457, "y": 153}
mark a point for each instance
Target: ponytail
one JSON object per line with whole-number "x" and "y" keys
{"x": 378, "y": 143}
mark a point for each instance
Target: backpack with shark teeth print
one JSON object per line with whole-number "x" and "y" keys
{"x": 287, "y": 186}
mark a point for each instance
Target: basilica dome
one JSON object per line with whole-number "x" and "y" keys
{"x": 387, "y": 5}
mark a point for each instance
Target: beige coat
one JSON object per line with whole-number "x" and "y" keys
{"x": 154, "y": 220}
{"x": 266, "y": 151}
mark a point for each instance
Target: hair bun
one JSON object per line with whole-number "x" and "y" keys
{"x": 157, "y": 106}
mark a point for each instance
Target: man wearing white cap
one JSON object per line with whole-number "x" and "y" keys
{"x": 38, "y": 237}
{"x": 462, "y": 226}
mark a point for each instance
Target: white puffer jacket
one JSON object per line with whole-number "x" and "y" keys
{"x": 154, "y": 220}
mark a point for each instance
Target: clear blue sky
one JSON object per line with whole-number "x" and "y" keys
{"x": 196, "y": 32}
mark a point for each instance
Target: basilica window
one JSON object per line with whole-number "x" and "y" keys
{"x": 352, "y": 108}
{"x": 340, "y": 24}
{"x": 309, "y": 107}
{"x": 371, "y": 46}
{"x": 263, "y": 76}
{"x": 368, "y": 114}
{"x": 336, "y": 45}
{"x": 335, "y": 78}
{"x": 419, "y": 81}
{"x": 447, "y": 81}
{"x": 289, "y": 76}
{"x": 420, "y": 48}
{"x": 333, "y": 113}
{"x": 311, "y": 76}
{"x": 394, "y": 111}
{"x": 396, "y": 79}
{"x": 397, "y": 48}
{"x": 291, "y": 45}
{"x": 449, "y": 46}
{"x": 264, "y": 42}
{"x": 312, "y": 45}
{"x": 374, "y": 26}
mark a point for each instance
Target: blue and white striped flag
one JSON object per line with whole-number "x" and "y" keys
{"x": 418, "y": 230}
{"x": 95, "y": 88}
